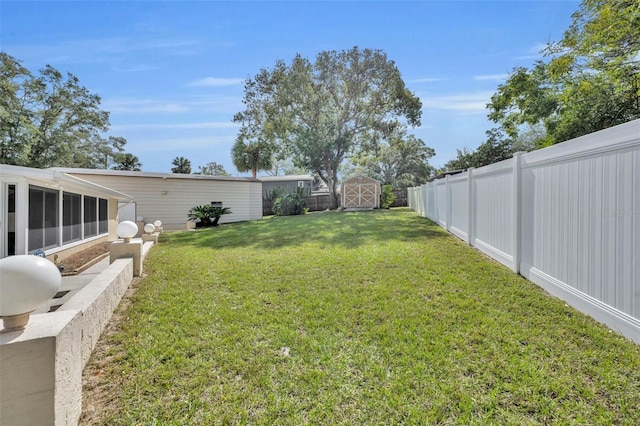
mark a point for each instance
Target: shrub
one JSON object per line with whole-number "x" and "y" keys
{"x": 290, "y": 204}
{"x": 386, "y": 197}
{"x": 207, "y": 215}
{"x": 275, "y": 193}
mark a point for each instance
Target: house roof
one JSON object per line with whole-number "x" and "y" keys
{"x": 285, "y": 178}
{"x": 104, "y": 172}
{"x": 49, "y": 176}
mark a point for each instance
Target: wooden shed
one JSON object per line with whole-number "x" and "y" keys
{"x": 360, "y": 193}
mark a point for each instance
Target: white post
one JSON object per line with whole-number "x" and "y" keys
{"x": 517, "y": 214}
{"x": 448, "y": 213}
{"x": 471, "y": 206}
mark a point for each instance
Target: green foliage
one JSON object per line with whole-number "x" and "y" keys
{"x": 207, "y": 215}
{"x": 498, "y": 147}
{"x": 126, "y": 161}
{"x": 386, "y": 197}
{"x": 320, "y": 113}
{"x": 401, "y": 162}
{"x": 49, "y": 120}
{"x": 276, "y": 193}
{"x": 284, "y": 166}
{"x": 591, "y": 80}
{"x": 289, "y": 204}
{"x": 212, "y": 169}
{"x": 181, "y": 165}
{"x": 251, "y": 156}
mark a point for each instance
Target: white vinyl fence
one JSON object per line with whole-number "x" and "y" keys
{"x": 566, "y": 217}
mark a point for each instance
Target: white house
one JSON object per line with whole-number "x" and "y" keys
{"x": 169, "y": 196}
{"x": 54, "y": 211}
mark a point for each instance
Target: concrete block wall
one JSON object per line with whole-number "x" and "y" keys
{"x": 41, "y": 366}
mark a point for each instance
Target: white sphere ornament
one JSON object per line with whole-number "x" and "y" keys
{"x": 127, "y": 230}
{"x": 26, "y": 282}
{"x": 149, "y": 228}
{"x": 158, "y": 223}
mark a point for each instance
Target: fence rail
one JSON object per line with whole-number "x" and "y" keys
{"x": 566, "y": 217}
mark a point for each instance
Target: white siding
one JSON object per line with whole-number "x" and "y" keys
{"x": 169, "y": 199}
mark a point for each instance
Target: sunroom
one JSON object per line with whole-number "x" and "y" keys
{"x": 54, "y": 212}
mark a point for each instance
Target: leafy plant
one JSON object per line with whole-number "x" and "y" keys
{"x": 387, "y": 197}
{"x": 275, "y": 193}
{"x": 290, "y": 204}
{"x": 207, "y": 215}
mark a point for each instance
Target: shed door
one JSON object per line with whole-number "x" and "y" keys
{"x": 360, "y": 195}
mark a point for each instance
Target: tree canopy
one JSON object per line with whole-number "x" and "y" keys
{"x": 127, "y": 161}
{"x": 589, "y": 81}
{"x": 319, "y": 113}
{"x": 181, "y": 165}
{"x": 50, "y": 119}
{"x": 212, "y": 169}
{"x": 496, "y": 148}
{"x": 252, "y": 156}
{"x": 401, "y": 162}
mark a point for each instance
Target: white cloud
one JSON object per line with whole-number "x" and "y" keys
{"x": 135, "y": 68}
{"x": 473, "y": 102}
{"x": 180, "y": 126}
{"x": 491, "y": 77}
{"x": 141, "y": 106}
{"x": 215, "y": 82}
{"x": 425, "y": 80}
{"x": 227, "y": 105}
{"x": 104, "y": 50}
{"x": 170, "y": 144}
{"x": 534, "y": 52}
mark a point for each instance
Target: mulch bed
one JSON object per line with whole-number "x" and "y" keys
{"x": 77, "y": 262}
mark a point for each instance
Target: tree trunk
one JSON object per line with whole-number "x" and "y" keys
{"x": 333, "y": 195}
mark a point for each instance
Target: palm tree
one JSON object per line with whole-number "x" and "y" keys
{"x": 251, "y": 157}
{"x": 182, "y": 165}
{"x": 127, "y": 161}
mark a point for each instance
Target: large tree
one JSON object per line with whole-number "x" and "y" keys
{"x": 127, "y": 161}
{"x": 212, "y": 169}
{"x": 320, "y": 113}
{"x": 50, "y": 119}
{"x": 589, "y": 81}
{"x": 252, "y": 156}
{"x": 403, "y": 161}
{"x": 497, "y": 147}
{"x": 181, "y": 165}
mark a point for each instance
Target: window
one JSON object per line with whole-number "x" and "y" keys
{"x": 90, "y": 216}
{"x": 103, "y": 216}
{"x": 11, "y": 220}
{"x": 216, "y": 204}
{"x": 43, "y": 218}
{"x": 71, "y": 217}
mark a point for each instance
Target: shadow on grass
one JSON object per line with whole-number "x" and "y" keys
{"x": 326, "y": 229}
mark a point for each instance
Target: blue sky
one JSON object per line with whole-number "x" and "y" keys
{"x": 171, "y": 72}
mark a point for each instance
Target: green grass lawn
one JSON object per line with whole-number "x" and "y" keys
{"x": 353, "y": 318}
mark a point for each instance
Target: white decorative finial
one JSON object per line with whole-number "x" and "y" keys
{"x": 26, "y": 282}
